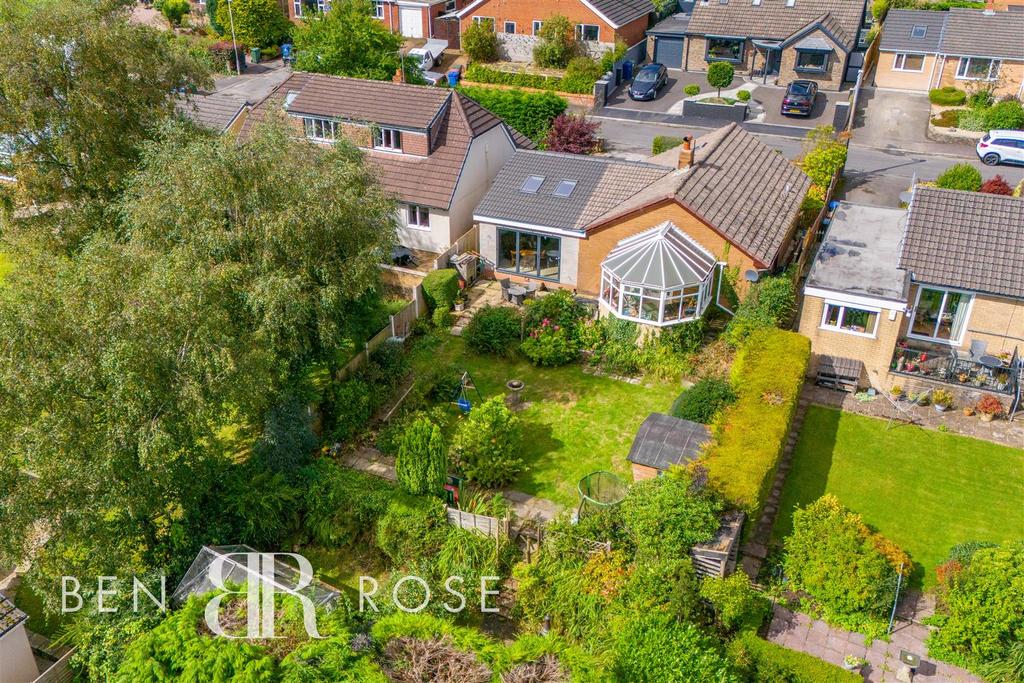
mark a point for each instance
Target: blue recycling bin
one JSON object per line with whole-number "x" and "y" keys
{"x": 627, "y": 70}
{"x": 453, "y": 78}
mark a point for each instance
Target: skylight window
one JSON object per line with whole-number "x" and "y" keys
{"x": 919, "y": 32}
{"x": 790, "y": 3}
{"x": 564, "y": 188}
{"x": 532, "y": 184}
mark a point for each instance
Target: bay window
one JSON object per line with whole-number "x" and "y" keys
{"x": 815, "y": 61}
{"x": 854, "y": 320}
{"x": 724, "y": 49}
{"x": 977, "y": 69}
{"x": 940, "y": 315}
{"x": 650, "y": 304}
{"x": 526, "y": 253}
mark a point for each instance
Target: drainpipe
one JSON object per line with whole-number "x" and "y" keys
{"x": 931, "y": 78}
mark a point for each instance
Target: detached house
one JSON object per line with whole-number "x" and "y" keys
{"x": 650, "y": 239}
{"x": 784, "y": 39}
{"x": 925, "y": 298}
{"x": 599, "y": 23}
{"x": 434, "y": 149}
{"x": 922, "y": 49}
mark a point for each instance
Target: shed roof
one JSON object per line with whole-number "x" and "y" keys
{"x": 663, "y": 440}
{"x": 673, "y": 25}
{"x": 663, "y": 257}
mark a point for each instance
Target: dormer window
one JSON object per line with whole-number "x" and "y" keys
{"x": 919, "y": 32}
{"x": 755, "y": 3}
{"x": 319, "y": 130}
{"x": 387, "y": 138}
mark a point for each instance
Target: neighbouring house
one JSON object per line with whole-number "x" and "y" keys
{"x": 17, "y": 663}
{"x": 599, "y": 23}
{"x": 964, "y": 48}
{"x": 219, "y": 112}
{"x": 663, "y": 441}
{"x": 410, "y": 18}
{"x": 666, "y": 40}
{"x": 435, "y": 150}
{"x": 649, "y": 240}
{"x": 782, "y": 40}
{"x": 924, "y": 298}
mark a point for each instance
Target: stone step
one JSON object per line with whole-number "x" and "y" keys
{"x": 757, "y": 550}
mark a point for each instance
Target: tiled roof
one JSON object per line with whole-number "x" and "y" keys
{"x": 772, "y": 18}
{"x": 663, "y": 441}
{"x": 896, "y": 33}
{"x": 973, "y": 32}
{"x": 457, "y": 119}
{"x": 621, "y": 12}
{"x": 968, "y": 240}
{"x": 601, "y": 184}
{"x": 10, "y": 616}
{"x": 215, "y": 111}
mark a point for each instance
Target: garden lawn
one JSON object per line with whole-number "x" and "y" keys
{"x": 926, "y": 490}
{"x": 574, "y": 423}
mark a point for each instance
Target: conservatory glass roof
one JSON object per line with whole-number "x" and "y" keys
{"x": 663, "y": 257}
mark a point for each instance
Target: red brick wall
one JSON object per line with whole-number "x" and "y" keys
{"x": 524, "y": 12}
{"x": 415, "y": 143}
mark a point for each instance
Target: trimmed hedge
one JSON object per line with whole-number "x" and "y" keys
{"x": 947, "y": 97}
{"x": 441, "y": 287}
{"x": 576, "y": 83}
{"x": 762, "y": 660}
{"x": 530, "y": 113}
{"x": 663, "y": 143}
{"x": 750, "y": 435}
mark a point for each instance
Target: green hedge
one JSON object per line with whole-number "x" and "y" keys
{"x": 530, "y": 113}
{"x": 765, "y": 661}
{"x": 750, "y": 435}
{"x": 663, "y": 143}
{"x": 947, "y": 97}
{"x": 576, "y": 83}
{"x": 440, "y": 287}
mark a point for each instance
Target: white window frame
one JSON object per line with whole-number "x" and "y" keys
{"x": 319, "y": 126}
{"x": 946, "y": 291}
{"x": 504, "y": 26}
{"x": 538, "y": 24}
{"x": 417, "y": 217}
{"x": 378, "y": 9}
{"x": 842, "y": 316}
{"x": 964, "y": 66}
{"x": 297, "y": 7}
{"x": 384, "y": 139}
{"x": 581, "y": 31}
{"x": 450, "y": 6}
{"x": 613, "y": 285}
{"x": 899, "y": 62}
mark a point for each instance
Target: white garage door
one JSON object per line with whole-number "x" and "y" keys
{"x": 411, "y": 21}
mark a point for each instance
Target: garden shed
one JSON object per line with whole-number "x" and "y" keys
{"x": 17, "y": 663}
{"x": 663, "y": 441}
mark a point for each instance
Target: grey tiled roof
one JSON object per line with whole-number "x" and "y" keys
{"x": 382, "y": 102}
{"x": 772, "y": 19}
{"x": 215, "y": 111}
{"x": 621, "y": 12}
{"x": 899, "y": 23}
{"x": 663, "y": 440}
{"x": 601, "y": 184}
{"x": 968, "y": 240}
{"x": 972, "y": 32}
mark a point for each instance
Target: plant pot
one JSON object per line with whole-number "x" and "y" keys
{"x": 941, "y": 408}
{"x": 459, "y": 307}
{"x": 987, "y": 417}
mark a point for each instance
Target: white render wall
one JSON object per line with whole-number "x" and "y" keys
{"x": 570, "y": 252}
{"x": 486, "y": 156}
{"x": 17, "y": 665}
{"x": 436, "y": 239}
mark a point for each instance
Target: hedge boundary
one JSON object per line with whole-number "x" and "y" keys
{"x": 801, "y": 666}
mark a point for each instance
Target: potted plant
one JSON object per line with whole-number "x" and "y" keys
{"x": 963, "y": 377}
{"x": 968, "y": 411}
{"x": 1001, "y": 380}
{"x": 460, "y": 302}
{"x": 923, "y": 399}
{"x": 942, "y": 400}
{"x": 896, "y": 392}
{"x": 988, "y": 407}
{"x": 853, "y": 663}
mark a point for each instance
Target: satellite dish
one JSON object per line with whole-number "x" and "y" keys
{"x": 751, "y": 276}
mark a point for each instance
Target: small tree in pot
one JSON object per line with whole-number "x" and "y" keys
{"x": 720, "y": 75}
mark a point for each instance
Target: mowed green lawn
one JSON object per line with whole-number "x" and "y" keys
{"x": 575, "y": 423}
{"x": 925, "y": 490}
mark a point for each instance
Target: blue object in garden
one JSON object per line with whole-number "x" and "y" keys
{"x": 833, "y": 205}
{"x": 464, "y": 404}
{"x": 453, "y": 78}
{"x": 627, "y": 70}
{"x": 286, "y": 51}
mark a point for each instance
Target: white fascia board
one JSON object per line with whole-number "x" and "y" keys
{"x": 855, "y": 299}
{"x": 501, "y": 222}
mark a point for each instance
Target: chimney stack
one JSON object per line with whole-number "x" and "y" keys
{"x": 990, "y": 7}
{"x": 686, "y": 153}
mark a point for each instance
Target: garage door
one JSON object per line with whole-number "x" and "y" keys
{"x": 411, "y": 21}
{"x": 669, "y": 51}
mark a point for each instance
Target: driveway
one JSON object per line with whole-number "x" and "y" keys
{"x": 669, "y": 100}
{"x": 895, "y": 119}
{"x": 256, "y": 81}
{"x": 770, "y": 99}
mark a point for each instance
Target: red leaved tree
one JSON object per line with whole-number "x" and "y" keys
{"x": 997, "y": 186}
{"x": 573, "y": 134}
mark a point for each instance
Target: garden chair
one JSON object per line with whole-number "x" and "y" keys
{"x": 505, "y": 284}
{"x": 531, "y": 289}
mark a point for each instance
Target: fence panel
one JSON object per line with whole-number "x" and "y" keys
{"x": 489, "y": 526}
{"x": 399, "y": 325}
{"x": 468, "y": 242}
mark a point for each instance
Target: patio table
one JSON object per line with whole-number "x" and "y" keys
{"x": 991, "y": 362}
{"x": 517, "y": 292}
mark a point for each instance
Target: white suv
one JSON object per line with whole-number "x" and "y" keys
{"x": 1001, "y": 146}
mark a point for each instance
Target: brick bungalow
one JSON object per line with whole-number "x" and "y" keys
{"x": 650, "y": 240}
{"x": 924, "y": 298}
{"x": 964, "y": 48}
{"x": 796, "y": 39}
{"x": 435, "y": 150}
{"x": 599, "y": 23}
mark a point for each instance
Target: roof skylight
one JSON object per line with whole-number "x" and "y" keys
{"x": 919, "y": 32}
{"x": 532, "y": 184}
{"x": 564, "y": 188}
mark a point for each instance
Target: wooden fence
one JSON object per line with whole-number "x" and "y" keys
{"x": 807, "y": 245}
{"x": 489, "y": 526}
{"x": 468, "y": 242}
{"x": 399, "y": 325}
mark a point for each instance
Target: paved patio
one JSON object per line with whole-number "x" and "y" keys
{"x": 800, "y": 632}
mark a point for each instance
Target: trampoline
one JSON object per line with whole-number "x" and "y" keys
{"x": 599, "y": 490}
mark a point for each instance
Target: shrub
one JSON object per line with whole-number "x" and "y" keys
{"x": 826, "y": 536}
{"x": 257, "y": 23}
{"x": 971, "y": 119}
{"x": 685, "y": 337}
{"x": 737, "y": 605}
{"x": 529, "y": 113}
{"x": 557, "y": 43}
{"x": 173, "y": 10}
{"x": 656, "y": 648}
{"x": 341, "y": 504}
{"x": 581, "y": 74}
{"x": 550, "y": 345}
{"x": 720, "y": 75}
{"x": 662, "y": 143}
{"x": 960, "y": 177}
{"x": 559, "y": 307}
{"x": 618, "y": 351}
{"x": 442, "y": 318}
{"x": 578, "y": 82}
{"x": 762, "y": 661}
{"x": 480, "y": 42}
{"x": 1005, "y": 115}
{"x": 288, "y": 439}
{"x": 494, "y": 329}
{"x": 422, "y": 462}
{"x": 767, "y": 376}
{"x": 825, "y": 156}
{"x": 572, "y": 134}
{"x": 703, "y": 401}
{"x": 980, "y": 99}
{"x": 667, "y": 515}
{"x": 691, "y": 90}
{"x": 769, "y": 303}
{"x": 949, "y": 118}
{"x": 440, "y": 288}
{"x": 997, "y": 185}
{"x": 488, "y": 443}
{"x": 743, "y": 96}
{"x": 352, "y": 407}
{"x": 411, "y": 528}
{"x": 947, "y": 97}
{"x": 613, "y": 55}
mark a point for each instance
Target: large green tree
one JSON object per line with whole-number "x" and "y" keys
{"x": 229, "y": 268}
{"x": 347, "y": 41}
{"x": 256, "y": 23}
{"x": 80, "y": 87}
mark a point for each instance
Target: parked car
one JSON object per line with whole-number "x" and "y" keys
{"x": 429, "y": 56}
{"x": 648, "y": 81}
{"x": 1001, "y": 147}
{"x": 799, "y": 98}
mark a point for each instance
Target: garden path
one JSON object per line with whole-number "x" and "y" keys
{"x": 798, "y": 631}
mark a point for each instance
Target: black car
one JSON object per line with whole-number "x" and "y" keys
{"x": 799, "y": 98}
{"x": 647, "y": 82}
